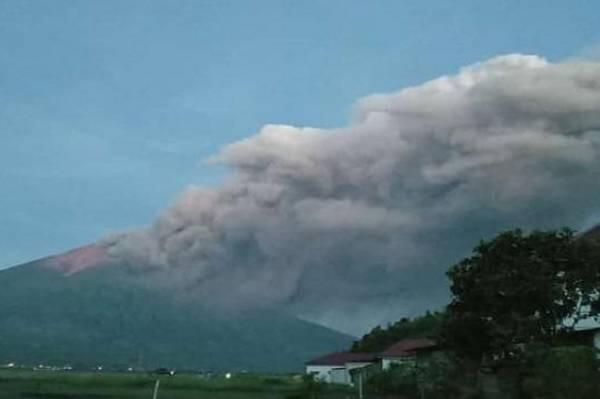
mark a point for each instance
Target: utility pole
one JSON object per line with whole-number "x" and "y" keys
{"x": 360, "y": 384}
{"x": 420, "y": 382}
{"x": 156, "y": 385}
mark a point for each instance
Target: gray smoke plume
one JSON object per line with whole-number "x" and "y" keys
{"x": 356, "y": 226}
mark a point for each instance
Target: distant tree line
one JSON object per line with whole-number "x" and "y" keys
{"x": 379, "y": 339}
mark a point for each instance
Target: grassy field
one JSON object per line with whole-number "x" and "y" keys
{"x": 75, "y": 385}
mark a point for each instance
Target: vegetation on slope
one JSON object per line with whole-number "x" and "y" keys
{"x": 100, "y": 317}
{"x": 379, "y": 339}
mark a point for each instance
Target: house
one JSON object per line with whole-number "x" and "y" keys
{"x": 335, "y": 367}
{"x": 406, "y": 351}
{"x": 346, "y": 367}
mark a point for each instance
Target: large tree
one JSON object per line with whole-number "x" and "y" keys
{"x": 520, "y": 288}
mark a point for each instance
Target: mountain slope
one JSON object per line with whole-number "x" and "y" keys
{"x": 101, "y": 316}
{"x": 592, "y": 234}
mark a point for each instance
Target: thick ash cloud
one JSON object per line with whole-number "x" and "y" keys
{"x": 355, "y": 226}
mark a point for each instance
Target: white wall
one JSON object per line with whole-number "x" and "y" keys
{"x": 330, "y": 374}
{"x": 339, "y": 376}
{"x": 387, "y": 362}
{"x": 356, "y": 365}
{"x": 320, "y": 372}
{"x": 335, "y": 374}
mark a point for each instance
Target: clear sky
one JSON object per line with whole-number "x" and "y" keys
{"x": 107, "y": 108}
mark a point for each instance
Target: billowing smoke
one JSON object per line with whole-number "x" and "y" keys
{"x": 356, "y": 226}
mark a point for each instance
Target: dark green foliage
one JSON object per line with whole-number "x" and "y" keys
{"x": 434, "y": 377}
{"x": 398, "y": 380}
{"x": 514, "y": 300}
{"x": 520, "y": 288}
{"x": 564, "y": 372}
{"x": 439, "y": 376}
{"x": 381, "y": 338}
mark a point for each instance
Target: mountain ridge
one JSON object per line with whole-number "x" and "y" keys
{"x": 103, "y": 315}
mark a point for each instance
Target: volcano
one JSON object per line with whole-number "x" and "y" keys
{"x": 592, "y": 234}
{"x": 85, "y": 309}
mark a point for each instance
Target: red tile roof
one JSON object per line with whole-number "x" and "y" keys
{"x": 408, "y": 347}
{"x": 341, "y": 358}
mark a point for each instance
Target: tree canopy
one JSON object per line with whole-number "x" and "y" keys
{"x": 519, "y": 288}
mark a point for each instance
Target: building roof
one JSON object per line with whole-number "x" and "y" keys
{"x": 405, "y": 347}
{"x": 408, "y": 347}
{"x": 341, "y": 358}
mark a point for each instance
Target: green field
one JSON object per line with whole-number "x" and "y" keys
{"x": 76, "y": 385}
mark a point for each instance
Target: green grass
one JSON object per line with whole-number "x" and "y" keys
{"x": 76, "y": 385}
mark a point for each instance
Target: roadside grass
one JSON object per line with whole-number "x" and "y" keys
{"x": 105, "y": 385}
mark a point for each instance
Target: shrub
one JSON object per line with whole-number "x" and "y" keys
{"x": 434, "y": 377}
{"x": 564, "y": 372}
{"x": 399, "y": 380}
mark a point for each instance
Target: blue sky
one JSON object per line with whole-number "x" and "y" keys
{"x": 107, "y": 108}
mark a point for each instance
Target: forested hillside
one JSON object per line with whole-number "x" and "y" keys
{"x": 380, "y": 338}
